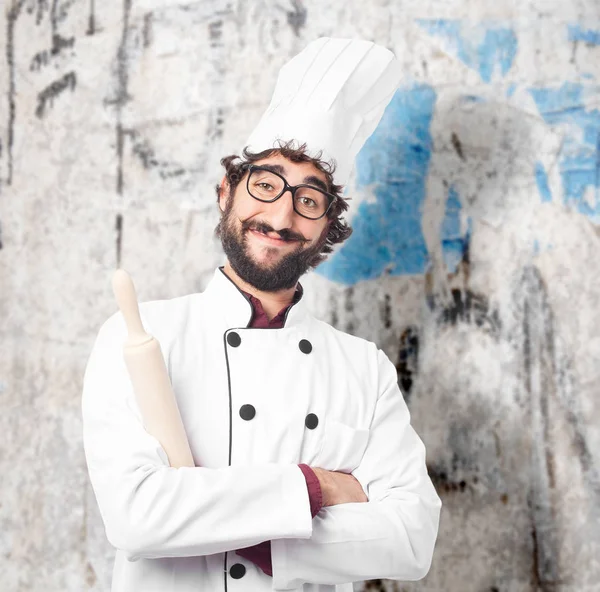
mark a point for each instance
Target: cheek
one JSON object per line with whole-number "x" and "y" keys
{"x": 246, "y": 207}
{"x": 323, "y": 233}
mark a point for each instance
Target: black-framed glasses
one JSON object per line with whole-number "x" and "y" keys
{"x": 268, "y": 186}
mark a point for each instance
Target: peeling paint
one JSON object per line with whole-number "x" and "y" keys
{"x": 488, "y": 48}
{"x": 566, "y": 107}
{"x": 579, "y": 33}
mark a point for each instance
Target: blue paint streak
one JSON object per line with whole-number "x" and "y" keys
{"x": 578, "y": 33}
{"x": 451, "y": 223}
{"x": 499, "y": 47}
{"x": 387, "y": 234}
{"x": 497, "y": 50}
{"x": 579, "y": 159}
{"x": 454, "y": 244}
{"x": 542, "y": 182}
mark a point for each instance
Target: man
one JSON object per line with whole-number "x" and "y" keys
{"x": 308, "y": 474}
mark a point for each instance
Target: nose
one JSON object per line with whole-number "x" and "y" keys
{"x": 281, "y": 213}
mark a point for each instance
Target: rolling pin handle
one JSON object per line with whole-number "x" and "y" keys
{"x": 124, "y": 291}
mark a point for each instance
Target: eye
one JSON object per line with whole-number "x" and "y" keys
{"x": 264, "y": 185}
{"x": 307, "y": 201}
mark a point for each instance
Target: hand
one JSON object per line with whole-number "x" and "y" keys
{"x": 339, "y": 488}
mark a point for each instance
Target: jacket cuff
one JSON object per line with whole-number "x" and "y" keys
{"x": 315, "y": 494}
{"x": 260, "y": 555}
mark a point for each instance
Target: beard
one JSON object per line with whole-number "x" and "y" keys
{"x": 282, "y": 275}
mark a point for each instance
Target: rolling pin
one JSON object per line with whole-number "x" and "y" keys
{"x": 149, "y": 377}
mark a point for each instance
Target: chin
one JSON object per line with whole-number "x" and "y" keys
{"x": 262, "y": 256}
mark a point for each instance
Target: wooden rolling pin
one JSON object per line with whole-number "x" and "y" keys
{"x": 149, "y": 377}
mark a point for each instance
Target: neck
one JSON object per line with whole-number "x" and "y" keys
{"x": 272, "y": 302}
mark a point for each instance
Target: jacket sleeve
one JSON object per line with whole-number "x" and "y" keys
{"x": 150, "y": 509}
{"x": 260, "y": 554}
{"x": 391, "y": 536}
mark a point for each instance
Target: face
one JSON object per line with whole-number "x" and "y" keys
{"x": 269, "y": 245}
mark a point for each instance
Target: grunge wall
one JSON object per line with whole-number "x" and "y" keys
{"x": 474, "y": 260}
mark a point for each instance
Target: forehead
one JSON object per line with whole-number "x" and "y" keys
{"x": 294, "y": 170}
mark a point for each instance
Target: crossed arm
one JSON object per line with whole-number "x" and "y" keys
{"x": 260, "y": 554}
{"x": 391, "y": 537}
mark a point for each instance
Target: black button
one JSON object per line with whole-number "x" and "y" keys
{"x": 247, "y": 412}
{"x": 233, "y": 339}
{"x": 311, "y": 421}
{"x": 305, "y": 346}
{"x": 237, "y": 571}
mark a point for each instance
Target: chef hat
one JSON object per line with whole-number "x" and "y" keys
{"x": 330, "y": 96}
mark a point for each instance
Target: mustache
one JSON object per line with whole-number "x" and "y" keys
{"x": 285, "y": 234}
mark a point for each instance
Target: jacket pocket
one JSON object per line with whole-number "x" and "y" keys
{"x": 342, "y": 447}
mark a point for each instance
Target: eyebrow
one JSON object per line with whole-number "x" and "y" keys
{"x": 311, "y": 179}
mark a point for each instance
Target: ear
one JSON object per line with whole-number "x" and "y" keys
{"x": 223, "y": 193}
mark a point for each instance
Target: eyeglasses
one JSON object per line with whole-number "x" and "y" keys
{"x": 268, "y": 186}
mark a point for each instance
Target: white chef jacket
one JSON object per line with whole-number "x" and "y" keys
{"x": 245, "y": 397}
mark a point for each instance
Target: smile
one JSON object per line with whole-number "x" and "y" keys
{"x": 270, "y": 240}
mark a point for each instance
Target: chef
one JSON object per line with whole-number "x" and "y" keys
{"x": 308, "y": 475}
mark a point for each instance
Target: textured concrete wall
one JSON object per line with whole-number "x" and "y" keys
{"x": 474, "y": 261}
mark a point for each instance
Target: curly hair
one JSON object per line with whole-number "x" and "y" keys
{"x": 339, "y": 230}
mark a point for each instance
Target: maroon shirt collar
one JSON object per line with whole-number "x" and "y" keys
{"x": 259, "y": 316}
